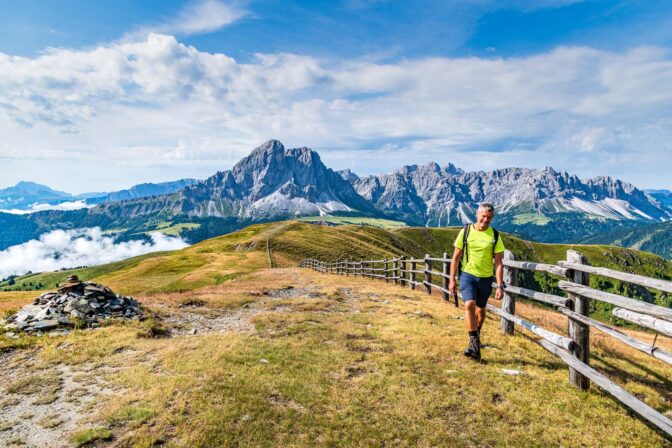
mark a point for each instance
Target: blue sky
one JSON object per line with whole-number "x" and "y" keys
{"x": 350, "y": 28}
{"x": 157, "y": 90}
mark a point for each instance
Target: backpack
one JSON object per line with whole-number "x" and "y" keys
{"x": 465, "y": 252}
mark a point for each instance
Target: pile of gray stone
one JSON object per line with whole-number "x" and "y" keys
{"x": 75, "y": 304}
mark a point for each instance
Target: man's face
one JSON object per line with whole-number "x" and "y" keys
{"x": 484, "y": 218}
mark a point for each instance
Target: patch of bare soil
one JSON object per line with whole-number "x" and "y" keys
{"x": 42, "y": 404}
{"x": 195, "y": 321}
{"x": 291, "y": 292}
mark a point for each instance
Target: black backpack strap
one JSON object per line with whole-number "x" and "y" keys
{"x": 494, "y": 244}
{"x": 465, "y": 237}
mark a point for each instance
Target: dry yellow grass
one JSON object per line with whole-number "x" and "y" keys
{"x": 12, "y": 301}
{"x": 357, "y": 363}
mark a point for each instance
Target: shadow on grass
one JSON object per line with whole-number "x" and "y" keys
{"x": 662, "y": 385}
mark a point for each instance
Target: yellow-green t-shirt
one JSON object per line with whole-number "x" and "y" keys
{"x": 479, "y": 247}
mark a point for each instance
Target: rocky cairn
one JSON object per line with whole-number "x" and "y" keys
{"x": 75, "y": 304}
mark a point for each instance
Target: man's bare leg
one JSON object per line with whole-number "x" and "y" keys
{"x": 470, "y": 317}
{"x": 480, "y": 317}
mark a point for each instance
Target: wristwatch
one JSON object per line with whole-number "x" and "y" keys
{"x": 502, "y": 286}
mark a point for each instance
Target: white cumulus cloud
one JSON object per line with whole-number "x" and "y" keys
{"x": 159, "y": 105}
{"x": 79, "y": 247}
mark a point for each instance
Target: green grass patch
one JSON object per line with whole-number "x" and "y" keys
{"x": 354, "y": 220}
{"x": 132, "y": 413}
{"x": 175, "y": 229}
{"x": 531, "y": 218}
{"x": 89, "y": 435}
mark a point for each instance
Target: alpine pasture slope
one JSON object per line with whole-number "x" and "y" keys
{"x": 301, "y": 358}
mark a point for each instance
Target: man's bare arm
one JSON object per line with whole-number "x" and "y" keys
{"x": 499, "y": 268}
{"x": 457, "y": 253}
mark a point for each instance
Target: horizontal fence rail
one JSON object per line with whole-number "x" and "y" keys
{"x": 433, "y": 273}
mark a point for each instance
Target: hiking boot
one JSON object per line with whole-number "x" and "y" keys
{"x": 474, "y": 348}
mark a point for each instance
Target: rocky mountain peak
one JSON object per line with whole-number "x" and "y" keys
{"x": 348, "y": 175}
{"x": 452, "y": 169}
{"x": 276, "y": 181}
{"x": 406, "y": 170}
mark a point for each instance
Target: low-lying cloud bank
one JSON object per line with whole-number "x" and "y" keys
{"x": 79, "y": 247}
{"x": 71, "y": 205}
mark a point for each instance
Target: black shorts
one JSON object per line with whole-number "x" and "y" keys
{"x": 475, "y": 288}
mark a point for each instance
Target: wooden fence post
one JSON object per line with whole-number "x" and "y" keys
{"x": 428, "y": 275}
{"x": 444, "y": 279}
{"x": 411, "y": 278}
{"x": 385, "y": 270}
{"x": 402, "y": 269}
{"x": 395, "y": 265}
{"x": 509, "y": 300}
{"x": 578, "y": 331}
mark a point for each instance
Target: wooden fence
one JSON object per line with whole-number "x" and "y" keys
{"x": 574, "y": 273}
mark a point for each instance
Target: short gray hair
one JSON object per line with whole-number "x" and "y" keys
{"x": 487, "y": 206}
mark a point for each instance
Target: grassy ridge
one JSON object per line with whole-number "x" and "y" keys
{"x": 358, "y": 363}
{"x": 217, "y": 260}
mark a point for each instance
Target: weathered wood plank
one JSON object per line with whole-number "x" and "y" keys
{"x": 661, "y": 285}
{"x": 428, "y": 275}
{"x": 509, "y": 300}
{"x": 649, "y": 349}
{"x": 539, "y": 296}
{"x": 614, "y": 299}
{"x": 644, "y": 320}
{"x": 440, "y": 288}
{"x": 642, "y": 409}
{"x": 578, "y": 331}
{"x": 556, "y": 339}
{"x": 444, "y": 277}
{"x": 537, "y": 267}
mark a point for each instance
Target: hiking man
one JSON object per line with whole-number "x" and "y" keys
{"x": 475, "y": 246}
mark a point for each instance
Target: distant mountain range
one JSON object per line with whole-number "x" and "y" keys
{"x": 31, "y": 196}
{"x": 26, "y": 194}
{"x": 275, "y": 182}
{"x": 439, "y": 196}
